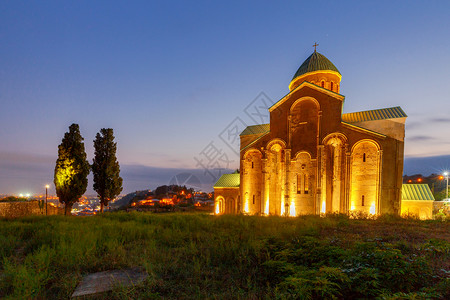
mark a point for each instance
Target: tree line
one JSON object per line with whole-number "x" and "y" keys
{"x": 72, "y": 168}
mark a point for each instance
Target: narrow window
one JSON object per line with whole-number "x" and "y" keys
{"x": 364, "y": 157}
{"x": 331, "y": 86}
{"x": 305, "y": 182}
{"x": 253, "y": 199}
{"x": 323, "y": 84}
{"x": 299, "y": 184}
{"x": 252, "y": 165}
{"x": 362, "y": 200}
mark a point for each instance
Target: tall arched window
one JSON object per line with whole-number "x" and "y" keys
{"x": 323, "y": 83}
{"x": 365, "y": 171}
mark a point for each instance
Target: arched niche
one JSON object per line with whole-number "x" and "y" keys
{"x": 229, "y": 205}
{"x": 252, "y": 180}
{"x": 219, "y": 204}
{"x": 333, "y": 172}
{"x": 275, "y": 179}
{"x": 303, "y": 124}
{"x": 303, "y": 178}
{"x": 365, "y": 176}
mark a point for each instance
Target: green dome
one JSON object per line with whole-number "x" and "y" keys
{"x": 315, "y": 62}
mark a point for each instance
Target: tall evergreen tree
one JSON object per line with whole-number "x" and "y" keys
{"x": 106, "y": 169}
{"x": 72, "y": 168}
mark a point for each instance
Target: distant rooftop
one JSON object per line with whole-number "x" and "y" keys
{"x": 416, "y": 192}
{"x": 228, "y": 181}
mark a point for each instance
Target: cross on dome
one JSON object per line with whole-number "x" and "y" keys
{"x": 315, "y": 45}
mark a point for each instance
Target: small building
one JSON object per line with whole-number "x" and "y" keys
{"x": 417, "y": 200}
{"x": 228, "y": 189}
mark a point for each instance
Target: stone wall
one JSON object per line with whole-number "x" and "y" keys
{"x": 227, "y": 201}
{"x": 21, "y": 209}
{"x": 422, "y": 209}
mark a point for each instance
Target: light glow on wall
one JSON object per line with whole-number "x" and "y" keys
{"x": 282, "y": 206}
{"x": 292, "y": 209}
{"x": 323, "y": 208}
{"x": 352, "y": 207}
{"x": 266, "y": 208}
{"x": 372, "y": 208}
{"x": 246, "y": 210}
{"x": 217, "y": 208}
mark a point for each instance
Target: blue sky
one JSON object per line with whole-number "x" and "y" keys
{"x": 170, "y": 76}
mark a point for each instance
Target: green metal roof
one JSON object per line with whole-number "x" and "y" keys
{"x": 416, "y": 192}
{"x": 315, "y": 62}
{"x": 256, "y": 129}
{"x": 228, "y": 181}
{"x": 373, "y": 115}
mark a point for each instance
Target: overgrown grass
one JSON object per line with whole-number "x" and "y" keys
{"x": 231, "y": 257}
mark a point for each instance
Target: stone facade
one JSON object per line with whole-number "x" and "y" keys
{"x": 312, "y": 159}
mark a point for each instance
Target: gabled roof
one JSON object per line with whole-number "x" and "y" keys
{"x": 257, "y": 138}
{"x": 228, "y": 181}
{"x": 302, "y": 85}
{"x": 373, "y": 115}
{"x": 416, "y": 192}
{"x": 256, "y": 129}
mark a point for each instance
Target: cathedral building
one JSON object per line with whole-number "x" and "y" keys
{"x": 312, "y": 159}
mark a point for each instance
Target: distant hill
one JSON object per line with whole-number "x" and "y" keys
{"x": 426, "y": 165}
{"x": 126, "y": 200}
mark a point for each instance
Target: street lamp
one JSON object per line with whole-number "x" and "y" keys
{"x": 446, "y": 189}
{"x": 46, "y": 194}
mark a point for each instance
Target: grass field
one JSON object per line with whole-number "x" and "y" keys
{"x": 230, "y": 257}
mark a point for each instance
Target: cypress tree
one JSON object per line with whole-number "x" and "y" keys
{"x": 106, "y": 169}
{"x": 72, "y": 169}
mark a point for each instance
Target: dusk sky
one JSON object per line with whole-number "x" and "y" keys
{"x": 171, "y": 76}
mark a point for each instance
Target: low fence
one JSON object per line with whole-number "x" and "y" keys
{"x": 27, "y": 208}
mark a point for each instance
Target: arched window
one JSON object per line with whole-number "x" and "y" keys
{"x": 364, "y": 157}
{"x": 323, "y": 83}
{"x": 331, "y": 86}
{"x": 305, "y": 183}
{"x": 362, "y": 200}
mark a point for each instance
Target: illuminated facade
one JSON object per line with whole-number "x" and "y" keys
{"x": 313, "y": 159}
